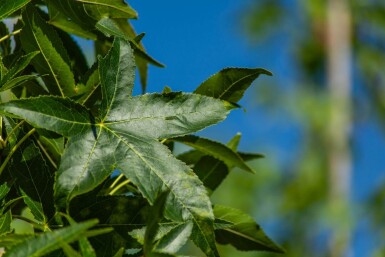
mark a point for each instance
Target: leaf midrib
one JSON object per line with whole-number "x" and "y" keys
{"x": 233, "y": 84}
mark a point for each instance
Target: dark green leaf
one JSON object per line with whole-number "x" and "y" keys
{"x": 69, "y": 251}
{"x": 119, "y": 253}
{"x": 5, "y": 45}
{"x": 230, "y": 84}
{"x": 18, "y": 66}
{"x": 53, "y": 59}
{"x": 50, "y": 241}
{"x": 5, "y": 223}
{"x": 215, "y": 149}
{"x": 211, "y": 171}
{"x": 8, "y": 7}
{"x": 60, "y": 115}
{"x": 244, "y": 234}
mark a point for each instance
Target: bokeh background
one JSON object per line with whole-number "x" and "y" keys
{"x": 320, "y": 190}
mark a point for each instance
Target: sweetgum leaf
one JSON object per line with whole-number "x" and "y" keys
{"x": 230, "y": 84}
{"x": 245, "y": 234}
{"x": 7, "y": 7}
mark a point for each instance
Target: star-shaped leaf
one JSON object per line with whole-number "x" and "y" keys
{"x": 125, "y": 136}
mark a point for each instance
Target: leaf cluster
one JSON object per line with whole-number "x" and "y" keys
{"x": 93, "y": 164}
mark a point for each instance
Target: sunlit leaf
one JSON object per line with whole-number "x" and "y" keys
{"x": 7, "y": 7}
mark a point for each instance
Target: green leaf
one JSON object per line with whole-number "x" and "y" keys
{"x": 60, "y": 115}
{"x": 5, "y": 45}
{"x": 119, "y": 253}
{"x": 215, "y": 149}
{"x": 50, "y": 241}
{"x": 8, "y": 7}
{"x": 234, "y": 142}
{"x": 69, "y": 251}
{"x": 53, "y": 59}
{"x": 61, "y": 21}
{"x": 211, "y": 171}
{"x": 5, "y": 223}
{"x": 244, "y": 234}
{"x": 230, "y": 84}
{"x": 170, "y": 237}
{"x": 108, "y": 8}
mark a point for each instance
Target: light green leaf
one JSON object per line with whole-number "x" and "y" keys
{"x": 5, "y": 223}
{"x": 7, "y": 7}
{"x": 108, "y": 8}
{"x": 244, "y": 234}
{"x": 9, "y": 240}
{"x": 69, "y": 251}
{"x": 215, "y": 149}
{"x": 119, "y": 253}
{"x": 60, "y": 115}
{"x": 53, "y": 60}
{"x": 50, "y": 241}
{"x": 234, "y": 142}
{"x": 230, "y": 84}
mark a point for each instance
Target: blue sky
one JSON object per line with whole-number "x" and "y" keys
{"x": 196, "y": 39}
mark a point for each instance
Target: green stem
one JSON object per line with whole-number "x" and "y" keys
{"x": 14, "y": 149}
{"x": 13, "y": 131}
{"x": 113, "y": 191}
{"x": 116, "y": 180}
{"x": 10, "y": 35}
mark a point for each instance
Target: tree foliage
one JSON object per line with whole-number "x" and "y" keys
{"x": 92, "y": 163}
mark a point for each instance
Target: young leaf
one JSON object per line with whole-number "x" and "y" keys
{"x": 50, "y": 241}
{"x": 215, "y": 149}
{"x": 244, "y": 234}
{"x": 7, "y": 7}
{"x": 230, "y": 84}
{"x": 53, "y": 60}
